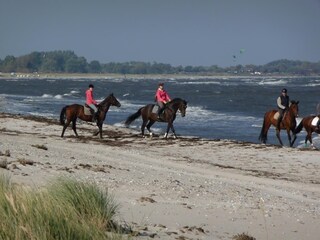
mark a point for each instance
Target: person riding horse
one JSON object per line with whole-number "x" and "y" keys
{"x": 91, "y": 102}
{"x": 161, "y": 98}
{"x": 283, "y": 105}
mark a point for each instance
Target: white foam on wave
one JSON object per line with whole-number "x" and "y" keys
{"x": 199, "y": 83}
{"x": 59, "y": 96}
{"x": 198, "y": 113}
{"x": 45, "y": 95}
{"x": 273, "y": 82}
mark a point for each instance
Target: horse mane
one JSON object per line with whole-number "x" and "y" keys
{"x": 178, "y": 100}
{"x": 105, "y": 100}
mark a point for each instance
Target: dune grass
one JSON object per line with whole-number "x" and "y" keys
{"x": 66, "y": 209}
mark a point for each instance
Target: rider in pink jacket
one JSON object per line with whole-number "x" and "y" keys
{"x": 162, "y": 98}
{"x": 91, "y": 102}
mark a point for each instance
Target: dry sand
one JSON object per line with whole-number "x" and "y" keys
{"x": 184, "y": 188}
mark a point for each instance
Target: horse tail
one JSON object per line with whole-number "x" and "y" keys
{"x": 263, "y": 136}
{"x": 62, "y": 115}
{"x": 298, "y": 128}
{"x": 133, "y": 117}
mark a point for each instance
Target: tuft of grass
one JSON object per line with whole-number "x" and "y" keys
{"x": 66, "y": 209}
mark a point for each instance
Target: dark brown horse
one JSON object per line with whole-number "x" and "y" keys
{"x": 169, "y": 115}
{"x": 72, "y": 112}
{"x": 288, "y": 123}
{"x": 306, "y": 123}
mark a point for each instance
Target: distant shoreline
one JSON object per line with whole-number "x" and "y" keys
{"x": 134, "y": 76}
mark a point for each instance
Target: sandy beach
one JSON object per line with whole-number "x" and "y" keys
{"x": 185, "y": 188}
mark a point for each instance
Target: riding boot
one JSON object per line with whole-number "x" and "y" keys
{"x": 94, "y": 117}
{"x": 159, "y": 113}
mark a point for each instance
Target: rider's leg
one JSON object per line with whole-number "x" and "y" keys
{"x": 161, "y": 107}
{"x": 95, "y": 113}
{"x": 280, "y": 118}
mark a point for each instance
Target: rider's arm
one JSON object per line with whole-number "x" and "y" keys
{"x": 279, "y": 103}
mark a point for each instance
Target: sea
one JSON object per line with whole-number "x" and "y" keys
{"x": 218, "y": 107}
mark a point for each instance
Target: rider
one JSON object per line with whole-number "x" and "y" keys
{"x": 283, "y": 105}
{"x": 162, "y": 98}
{"x": 91, "y": 102}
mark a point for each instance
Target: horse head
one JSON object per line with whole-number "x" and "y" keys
{"x": 183, "y": 108}
{"x": 294, "y": 108}
{"x": 114, "y": 101}
{"x": 110, "y": 100}
{"x": 178, "y": 104}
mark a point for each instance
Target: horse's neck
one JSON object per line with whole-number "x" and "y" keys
{"x": 104, "y": 106}
{"x": 175, "y": 106}
{"x": 290, "y": 113}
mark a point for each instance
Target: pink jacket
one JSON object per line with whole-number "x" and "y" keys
{"x": 162, "y": 96}
{"x": 89, "y": 98}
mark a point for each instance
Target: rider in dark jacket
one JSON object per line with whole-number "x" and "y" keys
{"x": 283, "y": 105}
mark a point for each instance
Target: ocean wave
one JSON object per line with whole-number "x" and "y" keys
{"x": 273, "y": 82}
{"x": 200, "y": 83}
{"x": 59, "y": 96}
{"x": 45, "y": 95}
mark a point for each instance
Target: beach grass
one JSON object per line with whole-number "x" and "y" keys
{"x": 66, "y": 209}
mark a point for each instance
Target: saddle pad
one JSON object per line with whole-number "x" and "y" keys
{"x": 276, "y": 115}
{"x": 155, "y": 109}
{"x": 87, "y": 110}
{"x": 315, "y": 121}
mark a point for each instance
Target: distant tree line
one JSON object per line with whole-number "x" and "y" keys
{"x": 69, "y": 62}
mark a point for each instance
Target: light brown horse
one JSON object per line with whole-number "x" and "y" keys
{"x": 306, "y": 123}
{"x": 72, "y": 112}
{"x": 288, "y": 123}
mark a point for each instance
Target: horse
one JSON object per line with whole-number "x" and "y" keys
{"x": 306, "y": 123}
{"x": 74, "y": 111}
{"x": 288, "y": 123}
{"x": 169, "y": 115}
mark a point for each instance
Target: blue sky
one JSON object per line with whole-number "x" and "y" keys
{"x": 177, "y": 32}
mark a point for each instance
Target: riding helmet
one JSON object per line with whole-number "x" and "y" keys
{"x": 284, "y": 90}
{"x": 91, "y": 86}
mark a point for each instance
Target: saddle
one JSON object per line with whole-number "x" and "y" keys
{"x": 315, "y": 121}
{"x": 155, "y": 111}
{"x": 155, "y": 108}
{"x": 277, "y": 115}
{"x": 87, "y": 110}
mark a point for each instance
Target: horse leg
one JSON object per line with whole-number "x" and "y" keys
{"x": 151, "y": 122}
{"x": 167, "y": 132}
{"x": 100, "y": 130}
{"x": 74, "y": 121}
{"x": 143, "y": 126}
{"x": 278, "y": 136}
{"x": 294, "y": 139}
{"x": 289, "y": 138}
{"x": 309, "y": 137}
{"x": 174, "y": 132}
{"x": 65, "y": 127}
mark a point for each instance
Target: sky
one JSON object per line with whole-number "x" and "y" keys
{"x": 176, "y": 32}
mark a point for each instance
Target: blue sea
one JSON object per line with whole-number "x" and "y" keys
{"x": 218, "y": 107}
